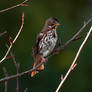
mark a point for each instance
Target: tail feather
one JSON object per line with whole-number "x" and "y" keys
{"x": 39, "y": 69}
{"x": 34, "y": 73}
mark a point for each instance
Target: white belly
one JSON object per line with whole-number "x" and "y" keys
{"x": 47, "y": 45}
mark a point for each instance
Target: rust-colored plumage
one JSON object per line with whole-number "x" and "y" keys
{"x": 45, "y": 43}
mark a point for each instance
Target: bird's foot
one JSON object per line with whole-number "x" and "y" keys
{"x": 44, "y": 60}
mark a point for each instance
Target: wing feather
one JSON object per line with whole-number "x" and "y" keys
{"x": 36, "y": 46}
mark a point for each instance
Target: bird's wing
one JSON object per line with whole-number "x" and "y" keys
{"x": 36, "y": 46}
{"x": 39, "y": 37}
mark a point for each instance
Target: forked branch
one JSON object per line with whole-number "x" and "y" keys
{"x": 12, "y": 42}
{"x": 73, "y": 65}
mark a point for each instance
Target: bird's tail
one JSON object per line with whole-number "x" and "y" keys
{"x": 38, "y": 61}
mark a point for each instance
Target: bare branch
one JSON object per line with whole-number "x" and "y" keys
{"x": 21, "y": 4}
{"x": 11, "y": 43}
{"x": 6, "y": 75}
{"x": 25, "y": 90}
{"x": 21, "y": 74}
{"x": 17, "y": 71}
{"x": 1, "y": 34}
{"x": 75, "y": 60}
{"x": 78, "y": 33}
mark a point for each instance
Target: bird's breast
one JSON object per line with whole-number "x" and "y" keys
{"x": 48, "y": 43}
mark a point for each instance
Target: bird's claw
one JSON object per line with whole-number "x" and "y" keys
{"x": 44, "y": 60}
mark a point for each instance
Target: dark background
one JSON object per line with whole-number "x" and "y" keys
{"x": 71, "y": 14}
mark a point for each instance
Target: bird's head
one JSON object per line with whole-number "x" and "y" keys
{"x": 52, "y": 22}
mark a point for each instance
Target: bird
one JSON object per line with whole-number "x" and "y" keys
{"x": 45, "y": 43}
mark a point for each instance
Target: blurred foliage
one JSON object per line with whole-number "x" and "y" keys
{"x": 72, "y": 14}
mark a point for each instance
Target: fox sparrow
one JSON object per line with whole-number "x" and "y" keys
{"x": 45, "y": 43}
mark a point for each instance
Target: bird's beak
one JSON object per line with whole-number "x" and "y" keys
{"x": 57, "y": 24}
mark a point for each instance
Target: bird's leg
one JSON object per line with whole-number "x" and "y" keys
{"x": 44, "y": 59}
{"x": 42, "y": 66}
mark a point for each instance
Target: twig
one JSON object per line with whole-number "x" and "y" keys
{"x": 75, "y": 59}
{"x": 78, "y": 33}
{"x": 6, "y": 75}
{"x": 21, "y": 4}
{"x": 1, "y": 34}
{"x": 17, "y": 71}
{"x": 25, "y": 90}
{"x": 11, "y": 43}
{"x": 21, "y": 74}
{"x": 17, "y": 79}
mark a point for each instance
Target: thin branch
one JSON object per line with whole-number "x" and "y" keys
{"x": 75, "y": 60}
{"x": 21, "y": 4}
{"x": 17, "y": 79}
{"x": 25, "y": 90}
{"x": 17, "y": 70}
{"x": 1, "y": 34}
{"x": 78, "y": 33}
{"x": 11, "y": 43}
{"x": 6, "y": 75}
{"x": 21, "y": 74}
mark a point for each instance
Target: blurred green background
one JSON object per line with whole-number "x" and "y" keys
{"x": 71, "y": 14}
